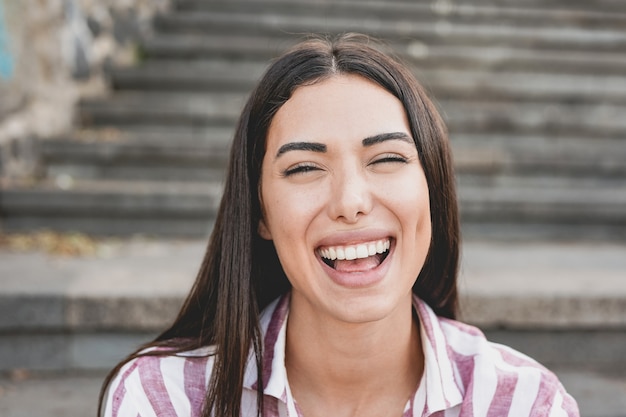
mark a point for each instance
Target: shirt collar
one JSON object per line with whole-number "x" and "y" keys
{"x": 440, "y": 385}
{"x": 273, "y": 322}
{"x": 438, "y": 390}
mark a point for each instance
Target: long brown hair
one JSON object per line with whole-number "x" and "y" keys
{"x": 241, "y": 273}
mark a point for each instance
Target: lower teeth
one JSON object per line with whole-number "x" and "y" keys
{"x": 381, "y": 257}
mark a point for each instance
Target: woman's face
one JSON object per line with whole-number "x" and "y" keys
{"x": 345, "y": 200}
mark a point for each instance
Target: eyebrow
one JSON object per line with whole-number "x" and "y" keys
{"x": 301, "y": 146}
{"x": 373, "y": 140}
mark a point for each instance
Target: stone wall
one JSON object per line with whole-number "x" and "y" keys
{"x": 52, "y": 52}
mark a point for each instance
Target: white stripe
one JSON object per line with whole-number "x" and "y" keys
{"x": 108, "y": 404}
{"x": 173, "y": 372}
{"x": 526, "y": 391}
{"x": 485, "y": 384}
{"x": 248, "y": 402}
{"x": 527, "y": 386}
{"x": 557, "y": 406}
{"x": 209, "y": 370}
{"x": 291, "y": 402}
{"x": 452, "y": 412}
{"x": 434, "y": 395}
{"x": 442, "y": 352}
{"x": 112, "y": 388}
{"x": 440, "y": 382}
{"x": 135, "y": 392}
{"x": 457, "y": 378}
{"x": 127, "y": 408}
{"x": 463, "y": 343}
{"x": 282, "y": 410}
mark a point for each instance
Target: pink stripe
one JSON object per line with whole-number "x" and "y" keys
{"x": 194, "y": 376}
{"x": 569, "y": 404}
{"x": 467, "y": 375}
{"x": 465, "y": 366}
{"x": 270, "y": 407}
{"x": 154, "y": 387}
{"x": 545, "y": 396}
{"x": 120, "y": 391}
{"x": 517, "y": 360}
{"x": 503, "y": 397}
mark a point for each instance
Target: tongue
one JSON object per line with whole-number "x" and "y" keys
{"x": 358, "y": 265}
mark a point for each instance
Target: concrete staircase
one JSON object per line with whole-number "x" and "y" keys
{"x": 534, "y": 94}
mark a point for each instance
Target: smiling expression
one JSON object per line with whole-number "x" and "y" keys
{"x": 345, "y": 200}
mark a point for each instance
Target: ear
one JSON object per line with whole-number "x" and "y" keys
{"x": 264, "y": 231}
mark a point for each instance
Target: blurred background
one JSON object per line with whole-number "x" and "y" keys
{"x": 115, "y": 123}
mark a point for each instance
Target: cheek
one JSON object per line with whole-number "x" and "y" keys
{"x": 415, "y": 216}
{"x": 289, "y": 213}
{"x": 409, "y": 197}
{"x": 411, "y": 205}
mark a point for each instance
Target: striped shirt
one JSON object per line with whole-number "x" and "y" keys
{"x": 464, "y": 375}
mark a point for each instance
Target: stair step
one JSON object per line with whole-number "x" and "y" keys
{"x": 444, "y": 83}
{"x": 235, "y": 48}
{"x": 203, "y": 54}
{"x": 429, "y": 31}
{"x": 111, "y": 207}
{"x": 466, "y": 116}
{"x": 165, "y": 135}
{"x": 137, "y": 152}
{"x": 557, "y": 119}
{"x": 166, "y": 159}
{"x": 534, "y": 212}
{"x": 594, "y": 203}
{"x": 163, "y": 108}
{"x": 415, "y": 9}
{"x": 178, "y": 156}
{"x": 495, "y": 156}
{"x": 213, "y": 76}
{"x": 574, "y": 10}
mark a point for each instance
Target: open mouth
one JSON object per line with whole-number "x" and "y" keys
{"x": 355, "y": 258}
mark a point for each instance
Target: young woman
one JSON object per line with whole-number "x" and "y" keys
{"x": 329, "y": 284}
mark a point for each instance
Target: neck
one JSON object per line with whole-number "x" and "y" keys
{"x": 346, "y": 365}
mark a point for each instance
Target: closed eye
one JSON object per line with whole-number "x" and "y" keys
{"x": 302, "y": 168}
{"x": 390, "y": 158}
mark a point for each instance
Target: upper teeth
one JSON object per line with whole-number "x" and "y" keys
{"x": 350, "y": 252}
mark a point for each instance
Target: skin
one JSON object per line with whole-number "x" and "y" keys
{"x": 341, "y": 169}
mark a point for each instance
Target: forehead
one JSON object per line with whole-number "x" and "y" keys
{"x": 340, "y": 106}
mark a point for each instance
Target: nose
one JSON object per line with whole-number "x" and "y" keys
{"x": 351, "y": 197}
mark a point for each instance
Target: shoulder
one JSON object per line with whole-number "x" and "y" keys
{"x": 500, "y": 377}
{"x": 157, "y": 383}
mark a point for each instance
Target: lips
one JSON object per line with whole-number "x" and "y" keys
{"x": 356, "y": 257}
